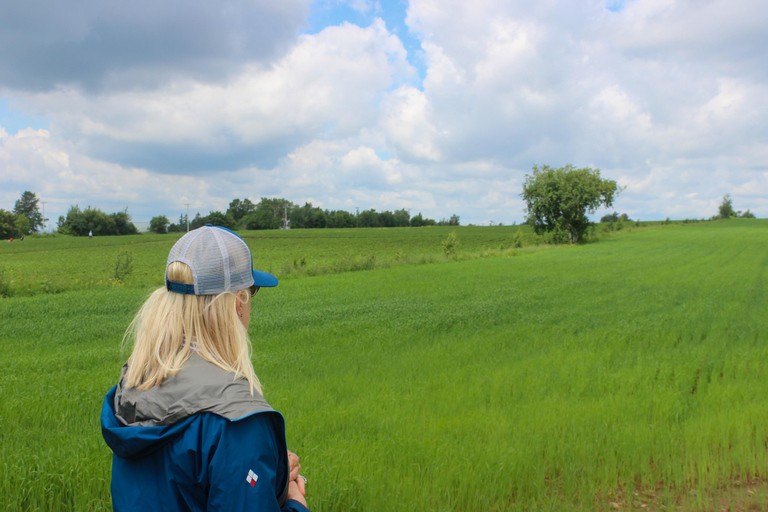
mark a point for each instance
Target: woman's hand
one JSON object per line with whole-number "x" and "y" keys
{"x": 293, "y": 466}
{"x": 294, "y": 476}
{"x": 294, "y": 493}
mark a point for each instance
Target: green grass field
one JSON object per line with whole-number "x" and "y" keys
{"x": 627, "y": 374}
{"x": 57, "y": 264}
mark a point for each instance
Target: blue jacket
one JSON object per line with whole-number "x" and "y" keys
{"x": 207, "y": 446}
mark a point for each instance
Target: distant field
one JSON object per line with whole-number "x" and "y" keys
{"x": 56, "y": 264}
{"x": 629, "y": 374}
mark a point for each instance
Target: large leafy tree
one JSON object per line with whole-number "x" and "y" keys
{"x": 239, "y": 209}
{"x": 558, "y": 200}
{"x": 224, "y": 220}
{"x": 159, "y": 224}
{"x": 269, "y": 214}
{"x": 308, "y": 216}
{"x": 28, "y": 205}
{"x": 341, "y": 219}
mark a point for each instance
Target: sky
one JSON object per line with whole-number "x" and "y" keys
{"x": 436, "y": 106}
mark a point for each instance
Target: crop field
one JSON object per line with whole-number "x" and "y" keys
{"x": 56, "y": 264}
{"x": 627, "y": 374}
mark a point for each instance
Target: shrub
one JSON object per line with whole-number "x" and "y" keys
{"x": 558, "y": 236}
{"x": 517, "y": 240}
{"x": 450, "y": 243}
{"x": 123, "y": 267}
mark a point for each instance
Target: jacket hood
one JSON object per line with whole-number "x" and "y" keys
{"x": 127, "y": 442}
{"x": 135, "y": 423}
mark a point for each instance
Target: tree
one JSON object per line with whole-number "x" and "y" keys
{"x": 726, "y": 208}
{"x": 159, "y": 224}
{"x": 402, "y": 218}
{"x": 22, "y": 225}
{"x": 239, "y": 209}
{"x": 268, "y": 214}
{"x": 27, "y": 205}
{"x": 198, "y": 221}
{"x": 369, "y": 219}
{"x": 123, "y": 223}
{"x": 386, "y": 219}
{"x": 340, "y": 219}
{"x": 7, "y": 225}
{"x": 79, "y": 222}
{"x": 221, "y": 219}
{"x": 558, "y": 200}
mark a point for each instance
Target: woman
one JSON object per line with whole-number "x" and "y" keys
{"x": 187, "y": 422}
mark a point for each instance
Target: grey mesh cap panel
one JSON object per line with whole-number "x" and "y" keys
{"x": 220, "y": 262}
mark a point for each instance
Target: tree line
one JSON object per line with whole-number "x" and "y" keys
{"x": 271, "y": 213}
{"x": 557, "y": 203}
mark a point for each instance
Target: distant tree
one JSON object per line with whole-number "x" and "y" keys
{"x": 386, "y": 219}
{"x": 368, "y": 219}
{"x": 7, "y": 224}
{"x": 610, "y": 217}
{"x": 123, "y": 223}
{"x": 198, "y": 221}
{"x": 748, "y": 215}
{"x": 159, "y": 224}
{"x": 181, "y": 226}
{"x": 558, "y": 200}
{"x": 224, "y": 220}
{"x": 308, "y": 217}
{"x": 98, "y": 221}
{"x": 402, "y": 218}
{"x": 21, "y": 225}
{"x": 340, "y": 219}
{"x": 725, "y": 211}
{"x": 417, "y": 221}
{"x": 239, "y": 209}
{"x": 74, "y": 223}
{"x": 80, "y": 222}
{"x": 269, "y": 214}
{"x": 27, "y": 205}
{"x": 453, "y": 221}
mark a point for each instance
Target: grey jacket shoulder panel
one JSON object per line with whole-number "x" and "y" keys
{"x": 200, "y": 386}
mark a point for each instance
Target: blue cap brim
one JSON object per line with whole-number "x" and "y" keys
{"x": 264, "y": 279}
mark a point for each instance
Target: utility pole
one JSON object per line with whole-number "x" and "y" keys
{"x": 43, "y": 215}
{"x": 187, "y": 216}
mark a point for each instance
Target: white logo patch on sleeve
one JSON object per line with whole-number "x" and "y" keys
{"x": 252, "y": 477}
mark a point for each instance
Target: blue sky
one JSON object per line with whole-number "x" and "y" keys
{"x": 329, "y": 13}
{"x": 437, "y": 106}
{"x": 14, "y": 120}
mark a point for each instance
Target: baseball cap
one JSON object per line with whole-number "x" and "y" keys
{"x": 220, "y": 262}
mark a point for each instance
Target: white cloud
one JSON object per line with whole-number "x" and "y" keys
{"x": 668, "y": 97}
{"x": 329, "y": 81}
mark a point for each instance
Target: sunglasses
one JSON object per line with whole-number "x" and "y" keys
{"x": 253, "y": 290}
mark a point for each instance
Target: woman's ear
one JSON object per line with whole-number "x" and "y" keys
{"x": 238, "y": 305}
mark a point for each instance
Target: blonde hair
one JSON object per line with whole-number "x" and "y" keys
{"x": 170, "y": 326}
